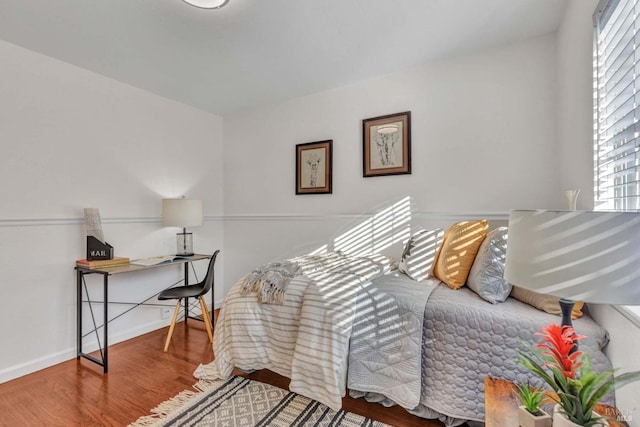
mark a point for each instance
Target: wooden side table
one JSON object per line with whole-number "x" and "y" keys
{"x": 501, "y": 405}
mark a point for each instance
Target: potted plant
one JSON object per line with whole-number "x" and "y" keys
{"x": 569, "y": 373}
{"x": 530, "y": 414}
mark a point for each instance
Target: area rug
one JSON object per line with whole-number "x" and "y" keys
{"x": 239, "y": 402}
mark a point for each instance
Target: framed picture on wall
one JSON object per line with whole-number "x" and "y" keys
{"x": 386, "y": 145}
{"x": 314, "y": 167}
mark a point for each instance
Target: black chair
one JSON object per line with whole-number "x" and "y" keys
{"x": 191, "y": 291}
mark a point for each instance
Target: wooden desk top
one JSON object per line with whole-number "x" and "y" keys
{"x": 501, "y": 405}
{"x": 126, "y": 268}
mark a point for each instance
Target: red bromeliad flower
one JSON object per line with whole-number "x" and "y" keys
{"x": 558, "y": 341}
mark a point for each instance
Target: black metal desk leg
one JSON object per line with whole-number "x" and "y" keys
{"x": 79, "y": 313}
{"x": 186, "y": 300}
{"x": 106, "y": 323}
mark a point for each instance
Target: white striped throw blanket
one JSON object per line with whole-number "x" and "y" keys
{"x": 306, "y": 337}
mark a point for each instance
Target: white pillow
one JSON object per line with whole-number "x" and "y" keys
{"x": 486, "y": 275}
{"x": 420, "y": 253}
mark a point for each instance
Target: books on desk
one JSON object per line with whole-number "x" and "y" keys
{"x": 158, "y": 260}
{"x": 102, "y": 262}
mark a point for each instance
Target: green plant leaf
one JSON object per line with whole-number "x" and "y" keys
{"x": 530, "y": 397}
{"x": 611, "y": 384}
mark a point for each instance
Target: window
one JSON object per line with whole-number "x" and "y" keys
{"x": 616, "y": 76}
{"x": 617, "y": 105}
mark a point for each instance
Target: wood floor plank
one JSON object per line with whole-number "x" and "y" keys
{"x": 141, "y": 375}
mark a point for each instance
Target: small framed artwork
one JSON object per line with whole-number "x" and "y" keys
{"x": 313, "y": 167}
{"x": 386, "y": 145}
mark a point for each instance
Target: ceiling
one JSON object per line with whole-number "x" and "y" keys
{"x": 258, "y": 52}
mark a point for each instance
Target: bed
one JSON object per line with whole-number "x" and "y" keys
{"x": 357, "y": 323}
{"x": 465, "y": 339}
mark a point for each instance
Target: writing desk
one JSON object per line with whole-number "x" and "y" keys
{"x": 106, "y": 272}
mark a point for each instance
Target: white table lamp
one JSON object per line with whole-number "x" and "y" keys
{"x": 182, "y": 213}
{"x": 585, "y": 256}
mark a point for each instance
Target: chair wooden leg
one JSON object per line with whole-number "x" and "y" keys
{"x": 206, "y": 318}
{"x": 173, "y": 324}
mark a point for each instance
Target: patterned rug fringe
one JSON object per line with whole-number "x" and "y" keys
{"x": 205, "y": 386}
{"x": 175, "y": 404}
{"x": 240, "y": 402}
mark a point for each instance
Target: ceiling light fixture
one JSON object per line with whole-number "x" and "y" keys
{"x": 207, "y": 4}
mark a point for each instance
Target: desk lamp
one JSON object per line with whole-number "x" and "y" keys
{"x": 585, "y": 256}
{"x": 182, "y": 213}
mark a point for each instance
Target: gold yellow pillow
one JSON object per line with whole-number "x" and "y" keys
{"x": 547, "y": 303}
{"x": 458, "y": 251}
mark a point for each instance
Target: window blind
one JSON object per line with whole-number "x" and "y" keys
{"x": 616, "y": 105}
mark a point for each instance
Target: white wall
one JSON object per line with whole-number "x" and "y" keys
{"x": 73, "y": 139}
{"x": 575, "y": 137}
{"x": 575, "y": 99}
{"x": 503, "y": 128}
{"x": 483, "y": 140}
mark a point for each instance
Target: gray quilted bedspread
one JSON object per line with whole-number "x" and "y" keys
{"x": 386, "y": 341}
{"x": 465, "y": 339}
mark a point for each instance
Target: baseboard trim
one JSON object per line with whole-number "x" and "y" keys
{"x": 35, "y": 365}
{"x": 49, "y": 360}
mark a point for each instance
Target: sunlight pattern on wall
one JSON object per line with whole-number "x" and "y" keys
{"x": 382, "y": 230}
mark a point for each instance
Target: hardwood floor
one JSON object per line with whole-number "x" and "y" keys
{"x": 141, "y": 375}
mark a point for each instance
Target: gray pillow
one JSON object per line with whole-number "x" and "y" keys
{"x": 420, "y": 252}
{"x": 486, "y": 275}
